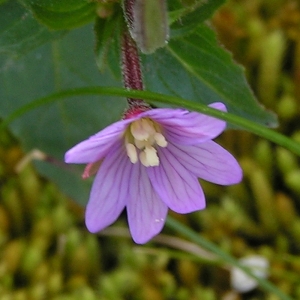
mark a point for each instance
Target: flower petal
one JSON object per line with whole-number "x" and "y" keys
{"x": 146, "y": 212}
{"x": 109, "y": 191}
{"x": 98, "y": 145}
{"x": 208, "y": 161}
{"x": 188, "y": 128}
{"x": 176, "y": 186}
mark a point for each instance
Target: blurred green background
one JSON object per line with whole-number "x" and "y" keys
{"x": 47, "y": 253}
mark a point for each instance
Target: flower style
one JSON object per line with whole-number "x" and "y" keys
{"x": 149, "y": 162}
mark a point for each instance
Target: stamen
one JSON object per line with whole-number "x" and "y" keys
{"x": 141, "y": 145}
{"x": 143, "y": 159}
{"x": 160, "y": 140}
{"x": 132, "y": 153}
{"x": 151, "y": 156}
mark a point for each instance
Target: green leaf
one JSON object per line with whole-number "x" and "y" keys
{"x": 204, "y": 72}
{"x": 20, "y": 32}
{"x": 107, "y": 50}
{"x": 201, "y": 11}
{"x": 57, "y": 5}
{"x": 62, "y": 14}
{"x": 151, "y": 97}
{"x": 186, "y": 19}
{"x": 63, "y": 65}
{"x": 58, "y": 65}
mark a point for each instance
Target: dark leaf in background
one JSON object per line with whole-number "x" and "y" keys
{"x": 202, "y": 71}
{"x": 193, "y": 67}
{"x": 64, "y": 14}
{"x": 57, "y": 127}
{"x": 187, "y": 18}
{"x": 20, "y": 32}
{"x": 108, "y": 33}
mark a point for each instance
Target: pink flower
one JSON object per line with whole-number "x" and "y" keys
{"x": 151, "y": 162}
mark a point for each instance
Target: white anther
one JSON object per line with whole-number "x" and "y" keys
{"x": 145, "y": 136}
{"x": 151, "y": 156}
{"x": 143, "y": 159}
{"x": 132, "y": 153}
{"x": 160, "y": 140}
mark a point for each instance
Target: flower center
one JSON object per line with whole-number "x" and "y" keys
{"x": 141, "y": 140}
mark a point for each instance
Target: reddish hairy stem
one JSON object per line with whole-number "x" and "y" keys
{"x": 132, "y": 74}
{"x": 128, "y": 10}
{"x": 131, "y": 67}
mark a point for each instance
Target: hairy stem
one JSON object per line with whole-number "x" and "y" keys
{"x": 131, "y": 66}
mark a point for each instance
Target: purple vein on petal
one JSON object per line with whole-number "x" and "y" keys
{"x": 146, "y": 212}
{"x": 188, "y": 128}
{"x": 109, "y": 191}
{"x": 208, "y": 161}
{"x": 176, "y": 186}
{"x": 98, "y": 145}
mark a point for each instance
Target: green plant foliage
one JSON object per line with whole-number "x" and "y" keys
{"x": 204, "y": 72}
{"x": 56, "y": 128}
{"x": 186, "y": 19}
{"x": 20, "y": 32}
{"x": 61, "y": 82}
{"x": 107, "y": 50}
{"x": 57, "y": 5}
{"x": 62, "y": 14}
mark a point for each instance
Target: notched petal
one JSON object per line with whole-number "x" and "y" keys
{"x": 209, "y": 161}
{"x": 146, "y": 212}
{"x": 98, "y": 145}
{"x": 176, "y": 186}
{"x": 189, "y": 128}
{"x": 109, "y": 191}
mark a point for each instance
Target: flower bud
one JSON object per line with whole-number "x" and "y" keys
{"x": 150, "y": 27}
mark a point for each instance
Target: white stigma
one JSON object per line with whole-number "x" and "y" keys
{"x": 144, "y": 137}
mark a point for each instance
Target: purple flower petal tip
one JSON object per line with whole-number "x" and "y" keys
{"x": 92, "y": 225}
{"x": 150, "y": 163}
{"x": 218, "y": 105}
